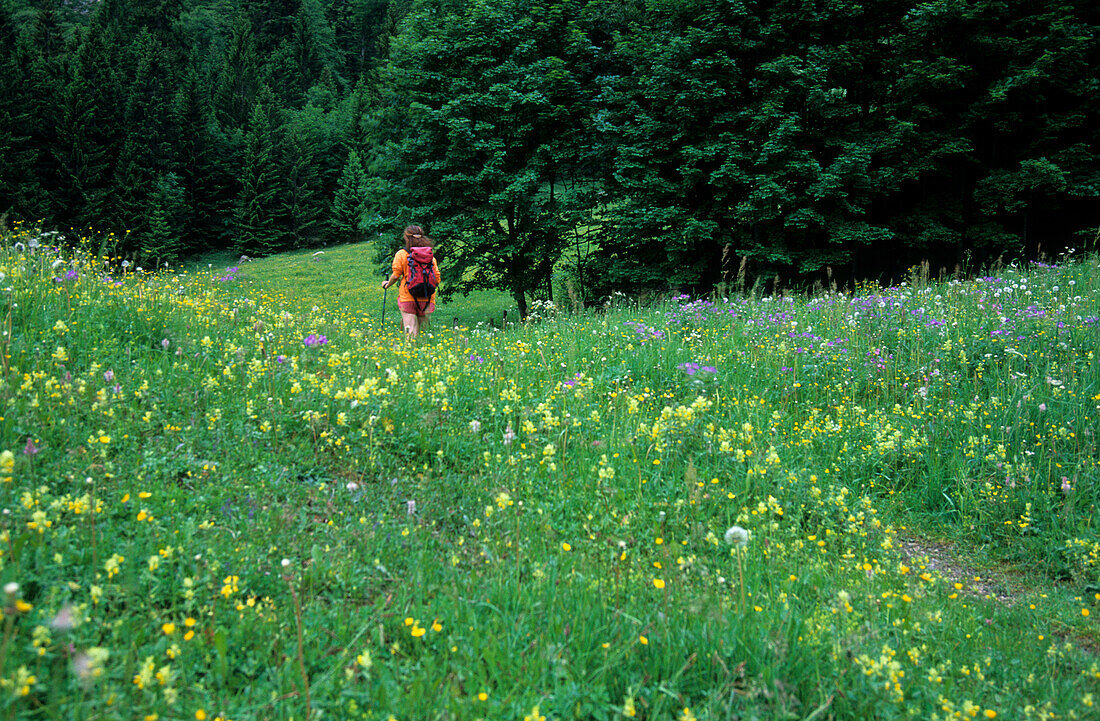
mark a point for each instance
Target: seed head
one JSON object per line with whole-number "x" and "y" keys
{"x": 737, "y": 536}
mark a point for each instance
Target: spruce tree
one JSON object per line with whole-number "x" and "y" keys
{"x": 349, "y": 206}
{"x": 46, "y": 77}
{"x": 206, "y": 164}
{"x": 273, "y": 21}
{"x": 90, "y": 128}
{"x": 130, "y": 186}
{"x": 147, "y": 150}
{"x": 149, "y": 101}
{"x": 357, "y": 27}
{"x": 358, "y": 118}
{"x": 259, "y": 207}
{"x": 160, "y": 239}
{"x": 238, "y": 77}
{"x": 300, "y": 204}
{"x": 20, "y": 192}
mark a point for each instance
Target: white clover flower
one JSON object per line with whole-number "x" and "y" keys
{"x": 285, "y": 563}
{"x": 11, "y": 588}
{"x": 737, "y": 536}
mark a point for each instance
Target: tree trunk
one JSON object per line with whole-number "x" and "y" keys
{"x": 521, "y": 303}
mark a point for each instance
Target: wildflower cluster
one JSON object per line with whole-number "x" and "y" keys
{"x": 230, "y": 274}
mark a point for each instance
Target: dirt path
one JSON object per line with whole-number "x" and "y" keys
{"x": 1000, "y": 584}
{"x": 1004, "y": 584}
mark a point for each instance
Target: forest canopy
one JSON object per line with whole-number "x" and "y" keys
{"x": 628, "y": 144}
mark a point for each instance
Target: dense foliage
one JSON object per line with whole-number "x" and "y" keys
{"x": 626, "y": 144}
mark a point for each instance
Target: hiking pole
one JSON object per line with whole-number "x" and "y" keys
{"x": 382, "y": 323}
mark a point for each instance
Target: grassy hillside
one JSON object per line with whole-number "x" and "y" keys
{"x": 345, "y": 278}
{"x": 231, "y": 495}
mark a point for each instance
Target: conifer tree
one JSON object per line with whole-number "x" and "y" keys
{"x": 90, "y": 128}
{"x": 147, "y": 152}
{"x": 149, "y": 102}
{"x": 357, "y": 118}
{"x": 300, "y": 204}
{"x": 45, "y": 74}
{"x": 160, "y": 238}
{"x": 20, "y": 192}
{"x": 304, "y": 57}
{"x": 259, "y": 208}
{"x": 238, "y": 79}
{"x": 357, "y": 26}
{"x": 273, "y": 21}
{"x": 349, "y": 206}
{"x": 128, "y": 199}
{"x": 206, "y": 163}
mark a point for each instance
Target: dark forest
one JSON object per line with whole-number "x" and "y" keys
{"x": 656, "y": 144}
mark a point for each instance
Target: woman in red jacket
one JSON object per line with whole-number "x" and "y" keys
{"x": 414, "y": 311}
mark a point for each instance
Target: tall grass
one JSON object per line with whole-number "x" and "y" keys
{"x": 230, "y": 501}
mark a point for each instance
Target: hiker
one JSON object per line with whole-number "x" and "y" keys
{"x": 415, "y": 266}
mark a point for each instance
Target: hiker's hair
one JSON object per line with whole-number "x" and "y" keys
{"x": 421, "y": 238}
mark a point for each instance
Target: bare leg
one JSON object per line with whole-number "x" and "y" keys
{"x": 411, "y": 323}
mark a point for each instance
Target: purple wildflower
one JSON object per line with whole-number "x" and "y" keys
{"x": 230, "y": 274}
{"x": 645, "y": 331}
{"x": 691, "y": 368}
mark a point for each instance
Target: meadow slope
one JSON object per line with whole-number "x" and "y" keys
{"x": 220, "y": 501}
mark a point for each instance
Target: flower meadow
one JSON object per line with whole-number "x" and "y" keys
{"x": 219, "y": 505}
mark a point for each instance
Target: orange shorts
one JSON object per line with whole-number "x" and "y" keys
{"x": 410, "y": 306}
